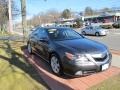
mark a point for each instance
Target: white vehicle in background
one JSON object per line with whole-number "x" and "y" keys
{"x": 94, "y": 30}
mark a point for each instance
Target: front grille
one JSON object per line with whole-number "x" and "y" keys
{"x": 100, "y": 59}
{"x": 89, "y": 72}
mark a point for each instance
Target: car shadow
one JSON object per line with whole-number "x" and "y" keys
{"x": 15, "y": 60}
{"x": 93, "y": 35}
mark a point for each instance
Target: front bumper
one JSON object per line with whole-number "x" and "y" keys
{"x": 104, "y": 33}
{"x": 79, "y": 69}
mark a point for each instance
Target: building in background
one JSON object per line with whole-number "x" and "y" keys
{"x": 103, "y": 18}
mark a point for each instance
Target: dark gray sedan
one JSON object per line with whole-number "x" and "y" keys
{"x": 68, "y": 52}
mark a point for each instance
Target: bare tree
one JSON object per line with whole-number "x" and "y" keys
{"x": 106, "y": 10}
{"x": 66, "y": 13}
{"x": 53, "y": 14}
{"x": 10, "y": 16}
{"x": 49, "y": 16}
{"x": 88, "y": 11}
{"x": 3, "y": 13}
{"x": 24, "y": 21}
{"x": 23, "y": 13}
{"x": 6, "y": 9}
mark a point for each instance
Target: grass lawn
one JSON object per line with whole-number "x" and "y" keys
{"x": 112, "y": 83}
{"x": 4, "y": 34}
{"x": 15, "y": 72}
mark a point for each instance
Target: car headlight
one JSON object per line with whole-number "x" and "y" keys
{"x": 80, "y": 57}
{"x": 102, "y": 31}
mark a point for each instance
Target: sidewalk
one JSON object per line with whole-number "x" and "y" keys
{"x": 116, "y": 60}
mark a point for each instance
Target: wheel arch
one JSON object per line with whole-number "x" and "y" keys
{"x": 58, "y": 56}
{"x": 54, "y": 53}
{"x": 98, "y": 33}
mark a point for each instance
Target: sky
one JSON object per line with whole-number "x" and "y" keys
{"x": 36, "y": 6}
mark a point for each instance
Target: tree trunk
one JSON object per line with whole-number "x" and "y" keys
{"x": 10, "y": 17}
{"x": 24, "y": 22}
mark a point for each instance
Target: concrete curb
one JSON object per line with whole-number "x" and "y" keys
{"x": 116, "y": 52}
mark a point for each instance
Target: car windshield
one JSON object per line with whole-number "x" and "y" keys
{"x": 63, "y": 34}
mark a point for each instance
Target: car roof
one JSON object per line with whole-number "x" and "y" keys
{"x": 55, "y": 27}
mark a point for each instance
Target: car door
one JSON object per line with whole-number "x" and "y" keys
{"x": 91, "y": 30}
{"x": 33, "y": 40}
{"x": 87, "y": 30}
{"x": 42, "y": 43}
{"x": 94, "y": 30}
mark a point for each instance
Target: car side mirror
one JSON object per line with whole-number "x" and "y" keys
{"x": 44, "y": 39}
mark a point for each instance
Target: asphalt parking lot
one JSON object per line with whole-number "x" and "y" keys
{"x": 112, "y": 40}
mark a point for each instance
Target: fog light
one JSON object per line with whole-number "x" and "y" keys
{"x": 78, "y": 73}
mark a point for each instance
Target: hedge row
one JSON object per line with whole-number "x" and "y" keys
{"x": 116, "y": 25}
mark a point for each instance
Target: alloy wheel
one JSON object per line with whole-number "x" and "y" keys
{"x": 29, "y": 48}
{"x": 55, "y": 65}
{"x": 83, "y": 33}
{"x": 97, "y": 34}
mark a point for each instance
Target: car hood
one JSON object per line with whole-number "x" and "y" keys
{"x": 82, "y": 45}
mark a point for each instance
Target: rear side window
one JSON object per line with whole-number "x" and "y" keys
{"x": 87, "y": 28}
{"x": 91, "y": 27}
{"x": 39, "y": 33}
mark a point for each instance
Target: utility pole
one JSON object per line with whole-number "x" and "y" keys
{"x": 10, "y": 17}
{"x": 24, "y": 22}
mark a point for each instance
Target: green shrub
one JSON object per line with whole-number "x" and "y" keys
{"x": 116, "y": 25}
{"x": 79, "y": 23}
{"x": 74, "y": 26}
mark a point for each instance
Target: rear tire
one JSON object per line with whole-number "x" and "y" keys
{"x": 84, "y": 33}
{"x": 97, "y": 34}
{"x": 56, "y": 65}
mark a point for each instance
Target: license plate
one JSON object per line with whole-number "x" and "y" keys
{"x": 105, "y": 66}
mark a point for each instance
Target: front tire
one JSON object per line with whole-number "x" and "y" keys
{"x": 56, "y": 65}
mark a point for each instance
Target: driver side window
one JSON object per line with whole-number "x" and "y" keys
{"x": 91, "y": 27}
{"x": 87, "y": 28}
